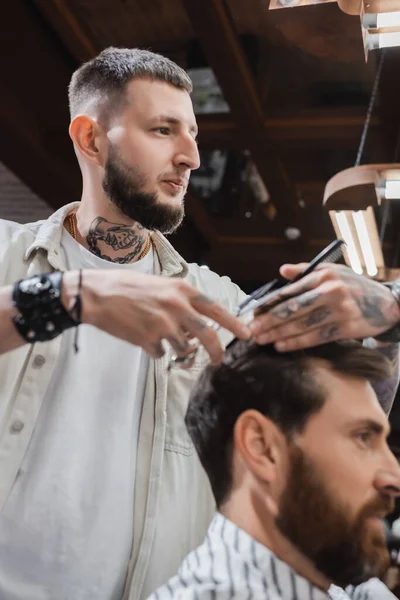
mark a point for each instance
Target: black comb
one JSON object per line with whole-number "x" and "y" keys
{"x": 264, "y": 294}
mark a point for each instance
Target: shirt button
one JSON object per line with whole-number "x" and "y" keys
{"x": 17, "y": 426}
{"x": 38, "y": 361}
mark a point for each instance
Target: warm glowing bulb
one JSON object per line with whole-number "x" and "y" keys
{"x": 365, "y": 242}
{"x": 347, "y": 237}
{"x": 392, "y": 189}
{"x": 389, "y": 39}
{"x": 389, "y": 19}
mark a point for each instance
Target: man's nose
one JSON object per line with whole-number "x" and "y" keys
{"x": 388, "y": 479}
{"x": 188, "y": 154}
{"x": 389, "y": 486}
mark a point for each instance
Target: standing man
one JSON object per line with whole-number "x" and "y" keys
{"x": 101, "y": 491}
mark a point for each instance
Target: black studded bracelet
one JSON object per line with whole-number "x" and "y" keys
{"x": 41, "y": 314}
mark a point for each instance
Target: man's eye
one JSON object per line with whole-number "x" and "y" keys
{"x": 364, "y": 436}
{"x": 163, "y": 130}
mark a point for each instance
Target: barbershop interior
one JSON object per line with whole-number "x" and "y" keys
{"x": 297, "y": 157}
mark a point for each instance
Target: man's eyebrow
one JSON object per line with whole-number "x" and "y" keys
{"x": 174, "y": 121}
{"x": 372, "y": 425}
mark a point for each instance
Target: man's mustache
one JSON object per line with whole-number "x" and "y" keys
{"x": 380, "y": 507}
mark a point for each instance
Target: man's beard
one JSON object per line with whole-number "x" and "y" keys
{"x": 345, "y": 551}
{"x": 124, "y": 187}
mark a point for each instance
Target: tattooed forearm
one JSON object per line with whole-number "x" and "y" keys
{"x": 106, "y": 238}
{"x": 376, "y": 304}
{"x": 386, "y": 390}
{"x": 370, "y": 307}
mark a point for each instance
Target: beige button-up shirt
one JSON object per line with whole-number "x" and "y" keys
{"x": 173, "y": 503}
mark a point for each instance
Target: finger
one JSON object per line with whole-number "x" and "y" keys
{"x": 182, "y": 346}
{"x": 189, "y": 336}
{"x": 328, "y": 333}
{"x": 323, "y": 315}
{"x": 179, "y": 343}
{"x": 286, "y": 311}
{"x": 155, "y": 350}
{"x": 289, "y": 271}
{"x": 206, "y": 335}
{"x": 305, "y": 284}
{"x": 220, "y": 315}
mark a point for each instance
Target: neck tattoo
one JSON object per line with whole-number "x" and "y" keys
{"x": 106, "y": 238}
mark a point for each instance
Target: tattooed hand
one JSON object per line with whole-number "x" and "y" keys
{"x": 331, "y": 303}
{"x": 146, "y": 309}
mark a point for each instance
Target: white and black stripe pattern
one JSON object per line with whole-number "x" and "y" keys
{"x": 230, "y": 565}
{"x": 373, "y": 589}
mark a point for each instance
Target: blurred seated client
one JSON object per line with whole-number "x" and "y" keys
{"x": 295, "y": 447}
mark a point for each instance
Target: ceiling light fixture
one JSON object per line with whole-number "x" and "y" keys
{"x": 343, "y": 229}
{"x": 363, "y": 252}
{"x": 374, "y": 41}
{"x": 379, "y": 20}
{"x": 391, "y": 189}
{"x": 350, "y": 196}
{"x": 365, "y": 236}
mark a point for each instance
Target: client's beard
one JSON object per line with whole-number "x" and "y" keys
{"x": 124, "y": 187}
{"x": 345, "y": 550}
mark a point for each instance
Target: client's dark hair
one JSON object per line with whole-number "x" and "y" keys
{"x": 281, "y": 386}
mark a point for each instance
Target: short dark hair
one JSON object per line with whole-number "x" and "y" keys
{"x": 281, "y": 386}
{"x": 105, "y": 76}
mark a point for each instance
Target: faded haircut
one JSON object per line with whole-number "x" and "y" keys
{"x": 103, "y": 79}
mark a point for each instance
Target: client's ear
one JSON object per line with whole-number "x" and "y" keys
{"x": 261, "y": 445}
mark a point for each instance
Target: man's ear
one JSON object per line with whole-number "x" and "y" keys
{"x": 89, "y": 139}
{"x": 261, "y": 445}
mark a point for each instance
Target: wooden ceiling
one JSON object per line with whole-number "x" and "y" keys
{"x": 296, "y": 82}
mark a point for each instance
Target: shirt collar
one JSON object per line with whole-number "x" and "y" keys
{"x": 287, "y": 582}
{"x": 48, "y": 236}
{"x": 172, "y": 263}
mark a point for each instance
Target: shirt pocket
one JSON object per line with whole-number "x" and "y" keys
{"x": 179, "y": 385}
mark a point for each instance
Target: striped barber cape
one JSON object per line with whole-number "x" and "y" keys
{"x": 231, "y": 565}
